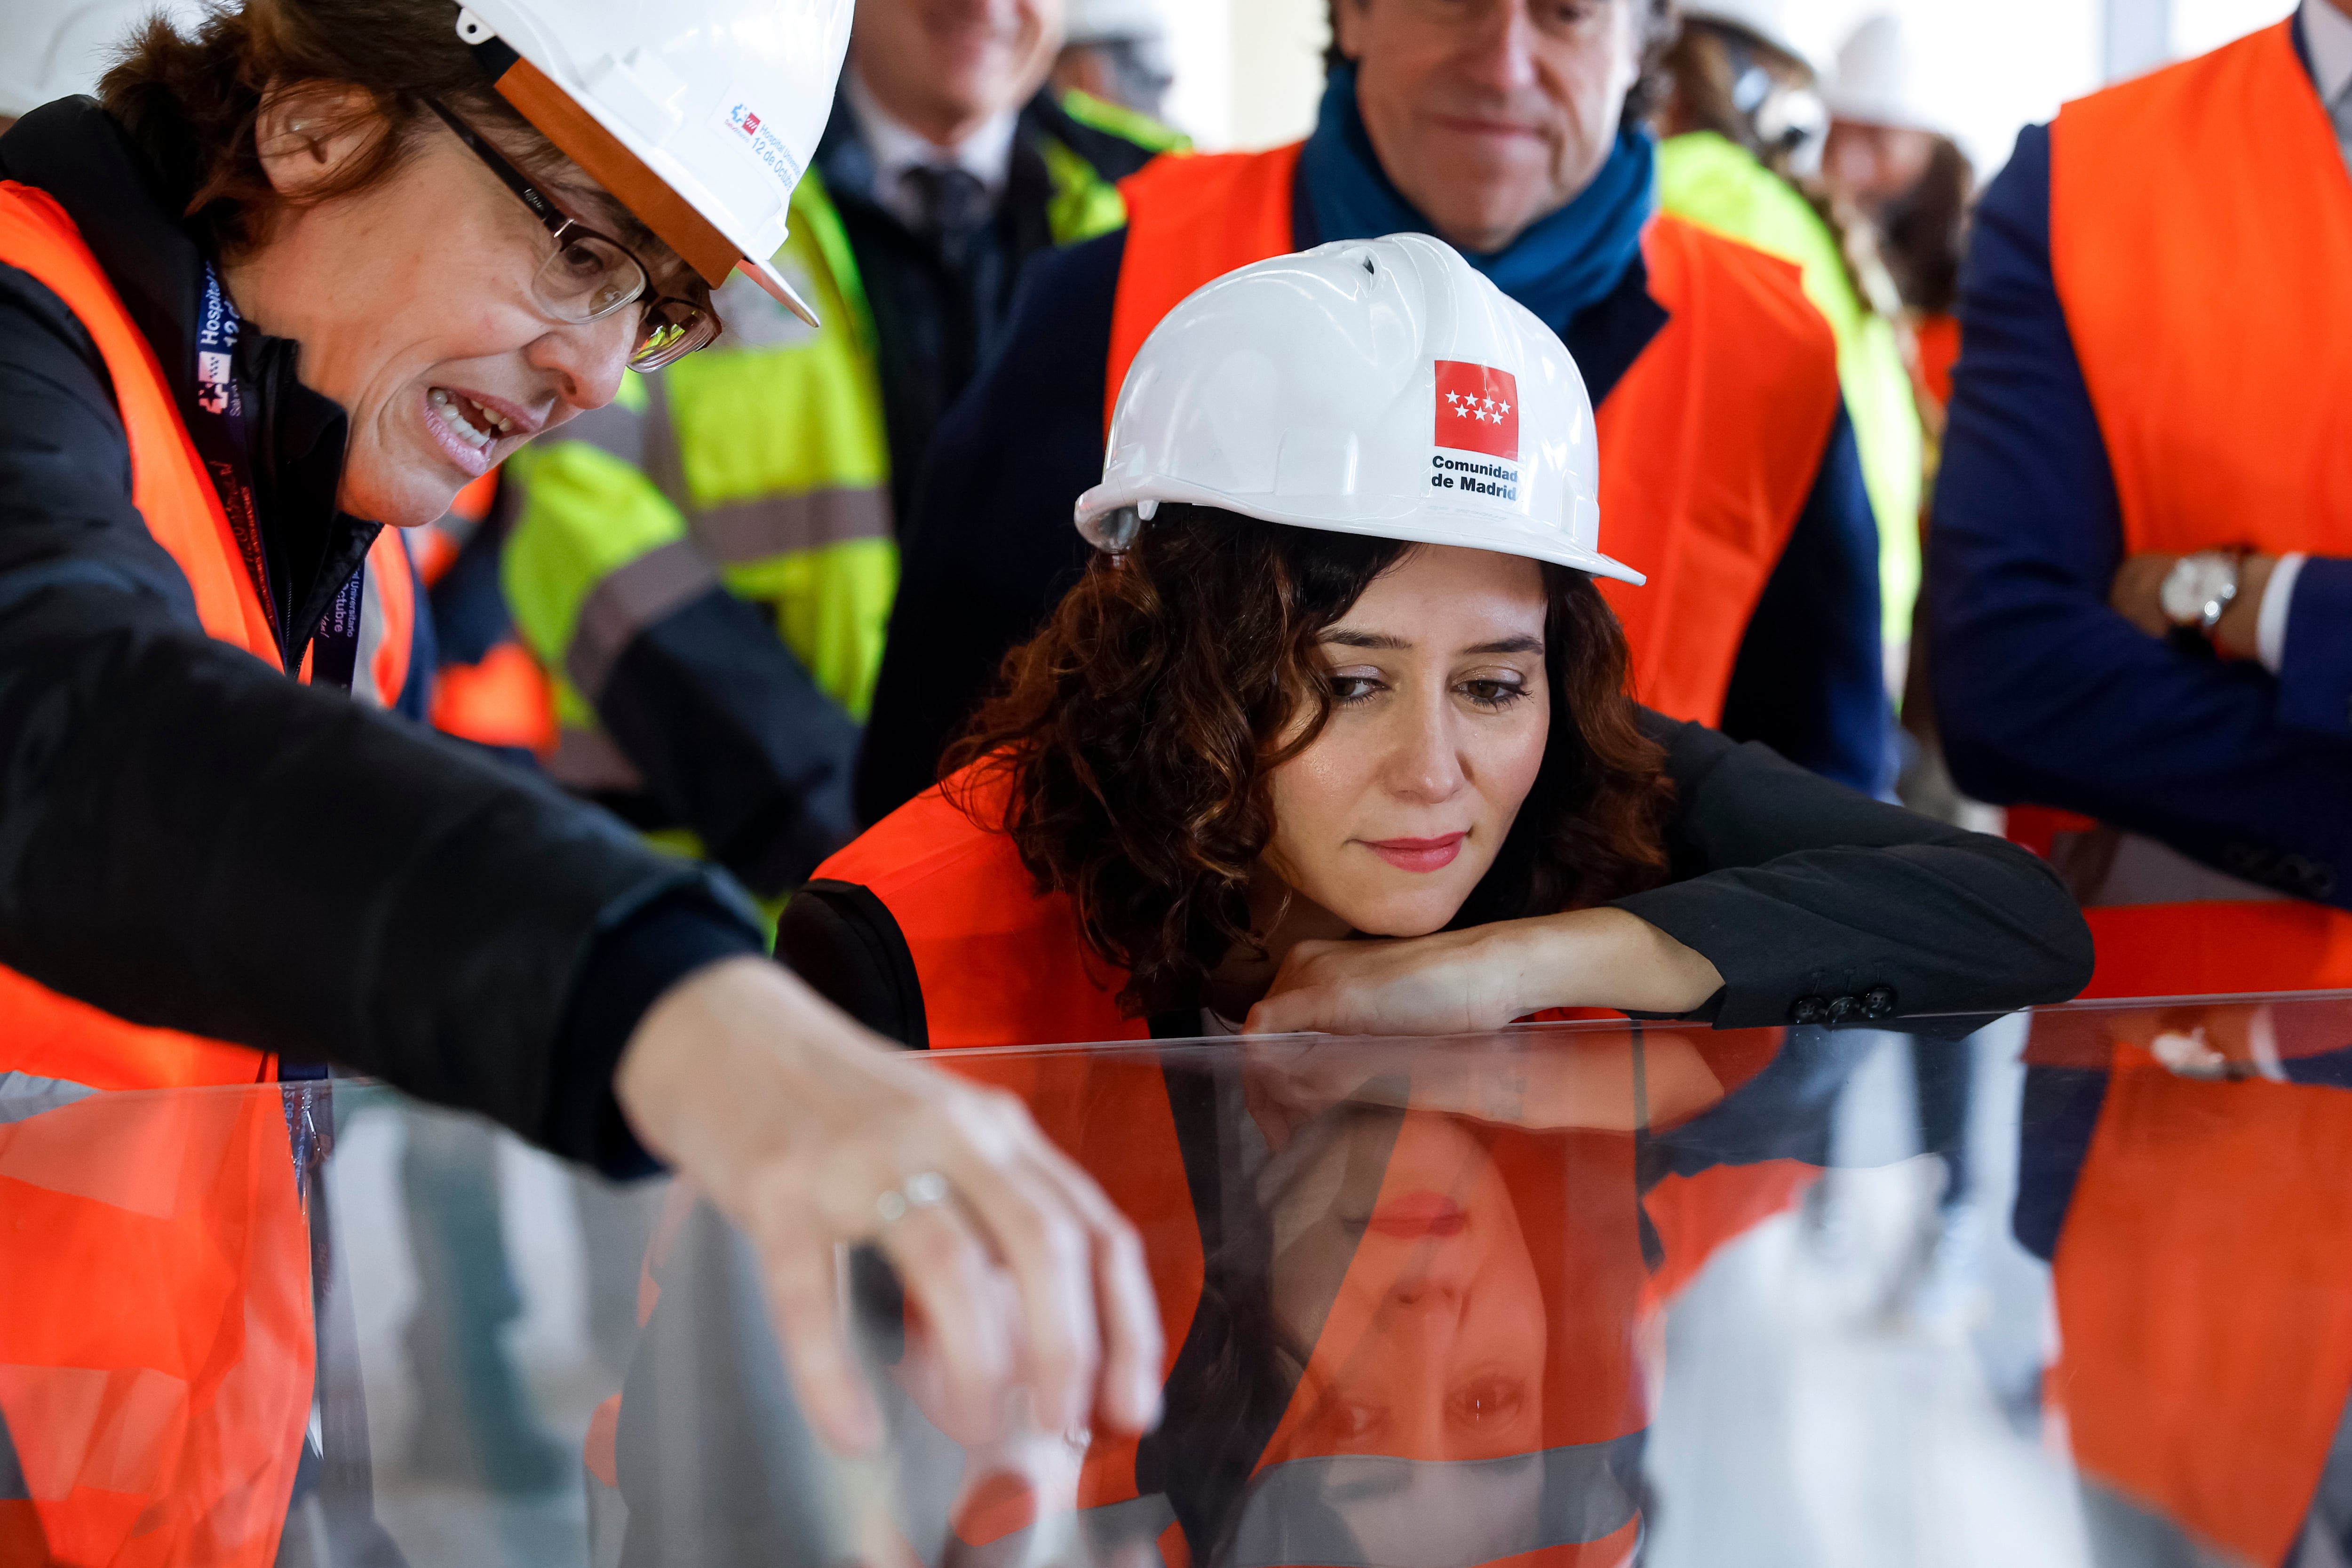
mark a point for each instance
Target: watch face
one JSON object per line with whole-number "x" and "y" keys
{"x": 2195, "y": 582}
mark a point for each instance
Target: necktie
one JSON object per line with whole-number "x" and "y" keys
{"x": 951, "y": 205}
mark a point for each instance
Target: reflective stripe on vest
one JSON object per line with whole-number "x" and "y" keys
{"x": 1710, "y": 443}
{"x": 761, "y": 464}
{"x": 2199, "y": 1281}
{"x": 2223, "y": 426}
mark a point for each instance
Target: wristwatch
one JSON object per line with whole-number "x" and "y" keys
{"x": 2199, "y": 588}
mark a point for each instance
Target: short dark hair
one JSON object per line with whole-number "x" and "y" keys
{"x": 1661, "y": 21}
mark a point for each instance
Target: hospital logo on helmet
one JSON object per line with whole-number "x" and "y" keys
{"x": 1478, "y": 410}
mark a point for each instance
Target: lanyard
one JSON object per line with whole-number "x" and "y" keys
{"x": 224, "y": 440}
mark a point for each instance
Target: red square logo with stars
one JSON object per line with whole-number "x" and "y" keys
{"x": 1478, "y": 409}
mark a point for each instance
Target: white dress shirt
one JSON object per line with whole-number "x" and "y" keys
{"x": 2327, "y": 37}
{"x": 986, "y": 155}
{"x": 2327, "y": 34}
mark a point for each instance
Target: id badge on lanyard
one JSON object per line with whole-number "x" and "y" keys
{"x": 225, "y": 442}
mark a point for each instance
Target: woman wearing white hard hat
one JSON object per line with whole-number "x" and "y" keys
{"x": 302, "y": 271}
{"x": 1342, "y": 672}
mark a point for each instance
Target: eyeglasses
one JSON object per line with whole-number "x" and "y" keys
{"x": 590, "y": 276}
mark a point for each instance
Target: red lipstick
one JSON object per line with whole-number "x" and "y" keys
{"x": 1418, "y": 854}
{"x": 1417, "y": 1217}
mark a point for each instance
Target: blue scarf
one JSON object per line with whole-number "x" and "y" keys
{"x": 1565, "y": 261}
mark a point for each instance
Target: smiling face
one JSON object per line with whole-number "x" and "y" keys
{"x": 414, "y": 302}
{"x": 1440, "y": 712}
{"x": 1489, "y": 114}
{"x": 946, "y": 66}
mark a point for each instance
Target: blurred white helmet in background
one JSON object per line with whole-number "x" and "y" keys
{"x": 55, "y": 49}
{"x": 699, "y": 116}
{"x": 1876, "y": 80}
{"x": 1107, "y": 21}
{"x": 1371, "y": 386}
{"x": 1767, "y": 19}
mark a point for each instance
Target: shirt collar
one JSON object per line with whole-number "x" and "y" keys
{"x": 2327, "y": 34}
{"x": 986, "y": 155}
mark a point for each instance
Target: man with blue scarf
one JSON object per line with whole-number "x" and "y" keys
{"x": 1512, "y": 130}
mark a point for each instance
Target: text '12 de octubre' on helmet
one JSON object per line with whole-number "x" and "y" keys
{"x": 1373, "y": 387}
{"x": 699, "y": 116}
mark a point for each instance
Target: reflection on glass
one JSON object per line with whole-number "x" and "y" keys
{"x": 1419, "y": 1297}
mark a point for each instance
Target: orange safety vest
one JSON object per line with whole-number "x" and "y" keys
{"x": 2200, "y": 1279}
{"x": 1001, "y": 964}
{"x": 156, "y": 1349}
{"x": 1710, "y": 443}
{"x": 2214, "y": 181}
{"x": 46, "y": 1034}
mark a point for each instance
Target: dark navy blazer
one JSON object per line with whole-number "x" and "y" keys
{"x": 2045, "y": 694}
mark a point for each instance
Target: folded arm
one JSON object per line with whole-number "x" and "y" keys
{"x": 2048, "y": 695}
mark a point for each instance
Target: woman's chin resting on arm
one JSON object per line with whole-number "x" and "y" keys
{"x": 1461, "y": 982}
{"x": 1315, "y": 781}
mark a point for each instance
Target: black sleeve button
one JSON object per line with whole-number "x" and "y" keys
{"x": 1845, "y": 1009}
{"x": 1808, "y": 1010}
{"x": 1878, "y": 1002}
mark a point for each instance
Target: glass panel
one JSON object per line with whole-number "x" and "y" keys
{"x": 2066, "y": 1288}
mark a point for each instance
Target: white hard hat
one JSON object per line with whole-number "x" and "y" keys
{"x": 1767, "y": 19}
{"x": 1105, "y": 21}
{"x": 55, "y": 49}
{"x": 697, "y": 115}
{"x": 1876, "y": 80}
{"x": 1376, "y": 386}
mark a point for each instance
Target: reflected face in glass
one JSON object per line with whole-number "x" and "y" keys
{"x": 1439, "y": 715}
{"x": 1411, "y": 1281}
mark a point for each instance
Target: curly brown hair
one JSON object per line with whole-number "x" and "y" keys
{"x": 191, "y": 101}
{"x": 1140, "y": 731}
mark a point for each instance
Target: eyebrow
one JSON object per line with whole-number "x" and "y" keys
{"x": 1383, "y": 642}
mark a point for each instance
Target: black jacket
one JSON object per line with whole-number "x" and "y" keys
{"x": 1816, "y": 904}
{"x": 188, "y": 838}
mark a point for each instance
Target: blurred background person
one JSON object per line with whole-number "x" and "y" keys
{"x": 1889, "y": 156}
{"x": 2142, "y": 578}
{"x": 1117, "y": 51}
{"x": 1887, "y": 164}
{"x": 706, "y": 566}
{"x": 1743, "y": 124}
{"x": 1887, "y": 160}
{"x": 1516, "y": 131}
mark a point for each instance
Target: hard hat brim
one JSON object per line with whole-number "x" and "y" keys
{"x": 585, "y": 139}
{"x": 1420, "y": 526}
{"x": 775, "y": 283}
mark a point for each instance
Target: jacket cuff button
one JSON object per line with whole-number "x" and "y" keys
{"x": 1845, "y": 1009}
{"x": 1808, "y": 1010}
{"x": 1878, "y": 1002}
